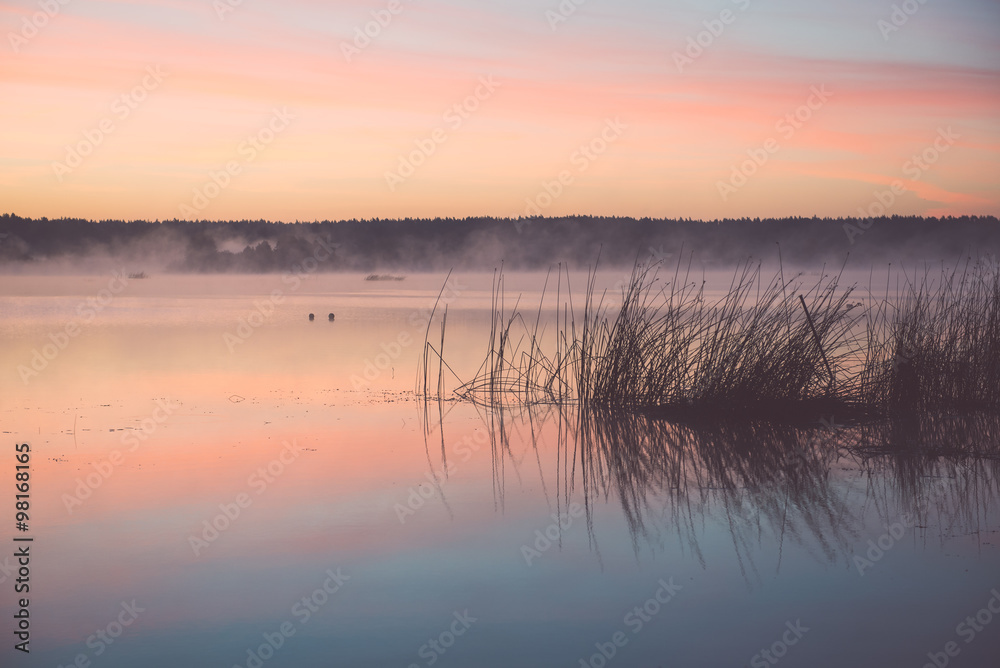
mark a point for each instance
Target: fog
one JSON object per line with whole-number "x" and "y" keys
{"x": 68, "y": 246}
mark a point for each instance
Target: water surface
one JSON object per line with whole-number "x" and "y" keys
{"x": 690, "y": 546}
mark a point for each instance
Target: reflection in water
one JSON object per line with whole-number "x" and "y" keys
{"x": 942, "y": 468}
{"x": 767, "y": 483}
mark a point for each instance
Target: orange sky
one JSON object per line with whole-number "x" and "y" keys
{"x": 275, "y": 110}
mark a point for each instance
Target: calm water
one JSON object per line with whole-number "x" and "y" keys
{"x": 173, "y": 406}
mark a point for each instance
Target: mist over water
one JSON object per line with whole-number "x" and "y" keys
{"x": 477, "y": 244}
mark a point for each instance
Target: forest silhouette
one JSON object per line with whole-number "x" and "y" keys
{"x": 259, "y": 246}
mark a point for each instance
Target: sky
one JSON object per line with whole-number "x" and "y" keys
{"x": 310, "y": 110}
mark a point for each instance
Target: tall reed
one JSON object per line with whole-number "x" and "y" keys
{"x": 766, "y": 348}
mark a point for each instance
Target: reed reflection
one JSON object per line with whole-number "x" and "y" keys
{"x": 819, "y": 488}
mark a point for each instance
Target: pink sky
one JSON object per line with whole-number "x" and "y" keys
{"x": 344, "y": 124}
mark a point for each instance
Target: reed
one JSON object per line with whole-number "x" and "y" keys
{"x": 938, "y": 339}
{"x": 769, "y": 348}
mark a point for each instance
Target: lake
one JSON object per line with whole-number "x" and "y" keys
{"x": 218, "y": 481}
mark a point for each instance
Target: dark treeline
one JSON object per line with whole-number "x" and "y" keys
{"x": 256, "y": 246}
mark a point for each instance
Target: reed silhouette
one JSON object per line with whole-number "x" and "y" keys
{"x": 769, "y": 348}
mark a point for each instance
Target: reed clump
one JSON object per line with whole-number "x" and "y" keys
{"x": 935, "y": 343}
{"x": 769, "y": 348}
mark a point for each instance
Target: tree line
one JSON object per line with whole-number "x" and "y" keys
{"x": 260, "y": 246}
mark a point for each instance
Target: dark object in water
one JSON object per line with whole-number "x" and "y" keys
{"x": 312, "y": 316}
{"x": 330, "y": 317}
